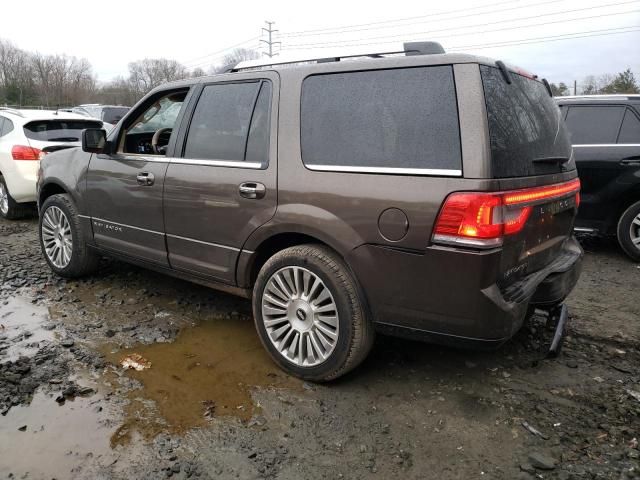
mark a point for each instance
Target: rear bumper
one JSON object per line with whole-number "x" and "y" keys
{"x": 450, "y": 296}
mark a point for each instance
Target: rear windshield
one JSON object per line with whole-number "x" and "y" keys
{"x": 58, "y": 130}
{"x": 113, "y": 114}
{"x": 525, "y": 127}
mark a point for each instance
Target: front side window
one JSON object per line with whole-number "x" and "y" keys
{"x": 594, "y": 124}
{"x": 630, "y": 131}
{"x": 231, "y": 123}
{"x": 403, "y": 118}
{"x": 152, "y": 128}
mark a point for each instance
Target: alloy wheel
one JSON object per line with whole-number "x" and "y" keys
{"x": 4, "y": 199}
{"x": 300, "y": 316}
{"x": 56, "y": 237}
{"x": 634, "y": 231}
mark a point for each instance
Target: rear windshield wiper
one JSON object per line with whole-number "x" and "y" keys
{"x": 558, "y": 160}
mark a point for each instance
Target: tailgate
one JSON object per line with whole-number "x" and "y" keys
{"x": 548, "y": 226}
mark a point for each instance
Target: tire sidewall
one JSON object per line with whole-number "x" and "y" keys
{"x": 11, "y": 211}
{"x": 623, "y": 233}
{"x": 341, "y": 352}
{"x": 73, "y": 265}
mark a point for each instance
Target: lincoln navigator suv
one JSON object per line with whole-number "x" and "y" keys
{"x": 417, "y": 193}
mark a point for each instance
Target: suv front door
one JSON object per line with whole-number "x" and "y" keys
{"x": 221, "y": 185}
{"x": 124, "y": 188}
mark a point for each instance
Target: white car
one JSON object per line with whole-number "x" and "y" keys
{"x": 25, "y": 137}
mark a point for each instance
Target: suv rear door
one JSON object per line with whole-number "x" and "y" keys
{"x": 606, "y": 142}
{"x": 222, "y": 184}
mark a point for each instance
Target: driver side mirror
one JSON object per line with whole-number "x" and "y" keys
{"x": 94, "y": 140}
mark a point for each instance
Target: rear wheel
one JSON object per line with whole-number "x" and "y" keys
{"x": 9, "y": 208}
{"x": 63, "y": 243}
{"x": 309, "y": 313}
{"x": 629, "y": 231}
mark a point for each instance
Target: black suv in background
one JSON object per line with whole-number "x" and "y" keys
{"x": 605, "y": 132}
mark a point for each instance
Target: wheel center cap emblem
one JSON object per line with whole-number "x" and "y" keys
{"x": 301, "y": 314}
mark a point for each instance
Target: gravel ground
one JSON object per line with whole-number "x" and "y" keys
{"x": 212, "y": 405}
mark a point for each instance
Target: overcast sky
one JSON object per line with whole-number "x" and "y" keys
{"x": 112, "y": 33}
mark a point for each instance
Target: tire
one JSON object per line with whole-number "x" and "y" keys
{"x": 72, "y": 258}
{"x": 9, "y": 208}
{"x": 315, "y": 360}
{"x": 628, "y": 231}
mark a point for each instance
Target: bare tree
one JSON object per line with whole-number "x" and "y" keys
{"x": 232, "y": 59}
{"x": 147, "y": 74}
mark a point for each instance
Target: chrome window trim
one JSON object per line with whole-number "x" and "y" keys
{"x": 220, "y": 163}
{"x": 389, "y": 170}
{"x": 125, "y": 225}
{"x": 585, "y": 145}
{"x": 138, "y": 157}
{"x": 203, "y": 242}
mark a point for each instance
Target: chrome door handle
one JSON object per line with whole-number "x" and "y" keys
{"x": 253, "y": 190}
{"x": 145, "y": 179}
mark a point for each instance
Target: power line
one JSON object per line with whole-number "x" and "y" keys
{"x": 218, "y": 52}
{"x": 431, "y": 32}
{"x": 354, "y": 28}
{"x": 555, "y": 38}
{"x": 526, "y": 41}
{"x": 395, "y": 41}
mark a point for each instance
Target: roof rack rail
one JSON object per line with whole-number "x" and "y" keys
{"x": 12, "y": 110}
{"x": 409, "y": 48}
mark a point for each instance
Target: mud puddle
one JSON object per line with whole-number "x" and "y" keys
{"x": 47, "y": 440}
{"x": 209, "y": 371}
{"x": 22, "y": 328}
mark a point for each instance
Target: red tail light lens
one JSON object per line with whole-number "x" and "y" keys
{"x": 22, "y": 152}
{"x": 483, "y": 219}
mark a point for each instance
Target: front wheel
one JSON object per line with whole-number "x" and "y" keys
{"x": 309, "y": 313}
{"x": 62, "y": 241}
{"x": 629, "y": 231}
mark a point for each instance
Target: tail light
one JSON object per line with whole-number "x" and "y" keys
{"x": 23, "y": 152}
{"x": 483, "y": 219}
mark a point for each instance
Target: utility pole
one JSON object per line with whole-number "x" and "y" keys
{"x": 575, "y": 87}
{"x": 270, "y": 43}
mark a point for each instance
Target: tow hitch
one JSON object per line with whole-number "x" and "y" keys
{"x": 557, "y": 317}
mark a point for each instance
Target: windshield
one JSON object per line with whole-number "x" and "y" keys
{"x": 528, "y": 136}
{"x": 58, "y": 130}
{"x": 161, "y": 114}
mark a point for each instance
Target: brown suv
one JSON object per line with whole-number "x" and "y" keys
{"x": 428, "y": 195}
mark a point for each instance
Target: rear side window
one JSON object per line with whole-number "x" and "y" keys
{"x": 630, "y": 131}
{"x": 525, "y": 126}
{"x": 401, "y": 118}
{"x": 6, "y": 126}
{"x": 222, "y": 120}
{"x": 58, "y": 130}
{"x": 594, "y": 124}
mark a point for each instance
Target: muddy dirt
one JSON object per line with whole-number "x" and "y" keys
{"x": 212, "y": 404}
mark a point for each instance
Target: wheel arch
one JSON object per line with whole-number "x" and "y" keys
{"x": 51, "y": 188}
{"x": 251, "y": 261}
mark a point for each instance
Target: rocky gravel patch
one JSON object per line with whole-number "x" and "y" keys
{"x": 412, "y": 410}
